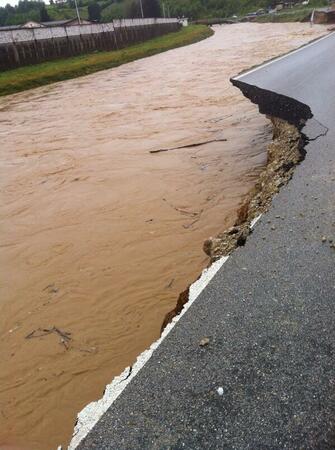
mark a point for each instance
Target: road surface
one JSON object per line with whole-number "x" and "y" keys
{"x": 268, "y": 313}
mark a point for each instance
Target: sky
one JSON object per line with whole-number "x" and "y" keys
{"x": 12, "y": 2}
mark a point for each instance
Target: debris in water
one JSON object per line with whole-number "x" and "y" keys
{"x": 88, "y": 350}
{"x": 170, "y": 284}
{"x": 196, "y": 144}
{"x": 183, "y": 211}
{"x": 41, "y": 332}
{"x": 220, "y": 391}
{"x": 204, "y": 341}
{"x": 51, "y": 288}
{"x": 64, "y": 342}
{"x": 14, "y": 329}
{"x": 189, "y": 225}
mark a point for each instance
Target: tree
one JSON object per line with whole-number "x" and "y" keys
{"x": 132, "y": 9}
{"x": 94, "y": 12}
{"x": 151, "y": 8}
{"x": 44, "y": 16}
{"x": 9, "y": 8}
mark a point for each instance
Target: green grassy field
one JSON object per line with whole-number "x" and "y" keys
{"x": 287, "y": 16}
{"x": 28, "y": 77}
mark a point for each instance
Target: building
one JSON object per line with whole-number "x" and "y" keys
{"x": 31, "y": 24}
{"x": 324, "y": 15}
{"x": 65, "y": 23}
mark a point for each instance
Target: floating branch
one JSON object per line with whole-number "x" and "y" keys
{"x": 183, "y": 211}
{"x": 169, "y": 286}
{"x": 41, "y": 332}
{"x": 196, "y": 144}
{"x": 189, "y": 225}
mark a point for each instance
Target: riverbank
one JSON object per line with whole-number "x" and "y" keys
{"x": 29, "y": 77}
{"x": 284, "y": 153}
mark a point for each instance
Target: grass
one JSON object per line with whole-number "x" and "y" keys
{"x": 113, "y": 11}
{"x": 287, "y": 16}
{"x": 296, "y": 14}
{"x": 56, "y": 13}
{"x": 28, "y": 77}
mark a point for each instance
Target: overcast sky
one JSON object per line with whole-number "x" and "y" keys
{"x": 13, "y": 2}
{"x": 4, "y": 2}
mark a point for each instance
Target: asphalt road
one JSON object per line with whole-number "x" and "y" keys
{"x": 269, "y": 314}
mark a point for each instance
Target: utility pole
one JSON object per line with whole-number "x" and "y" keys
{"x": 141, "y": 6}
{"x": 77, "y": 10}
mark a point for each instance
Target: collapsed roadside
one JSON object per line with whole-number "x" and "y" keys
{"x": 284, "y": 153}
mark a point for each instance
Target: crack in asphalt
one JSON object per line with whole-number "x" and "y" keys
{"x": 321, "y": 134}
{"x": 128, "y": 375}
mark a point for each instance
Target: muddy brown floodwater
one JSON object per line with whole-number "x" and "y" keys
{"x": 98, "y": 235}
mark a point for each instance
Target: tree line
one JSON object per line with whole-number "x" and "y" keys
{"x": 38, "y": 11}
{"x": 105, "y": 10}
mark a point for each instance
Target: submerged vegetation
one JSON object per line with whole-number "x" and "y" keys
{"x": 28, "y": 77}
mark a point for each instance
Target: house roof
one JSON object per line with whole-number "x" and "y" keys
{"x": 57, "y": 23}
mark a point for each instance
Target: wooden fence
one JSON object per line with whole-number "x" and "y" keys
{"x": 20, "y": 47}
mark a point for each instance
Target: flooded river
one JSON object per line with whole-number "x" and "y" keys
{"x": 98, "y": 235}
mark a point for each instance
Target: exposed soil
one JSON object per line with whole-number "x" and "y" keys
{"x": 284, "y": 152}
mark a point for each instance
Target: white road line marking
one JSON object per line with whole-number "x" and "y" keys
{"x": 283, "y": 57}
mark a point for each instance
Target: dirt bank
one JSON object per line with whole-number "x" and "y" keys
{"x": 283, "y": 154}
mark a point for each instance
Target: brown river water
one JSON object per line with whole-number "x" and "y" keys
{"x": 98, "y": 235}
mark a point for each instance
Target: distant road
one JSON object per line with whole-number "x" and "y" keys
{"x": 269, "y": 314}
{"x": 306, "y": 74}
